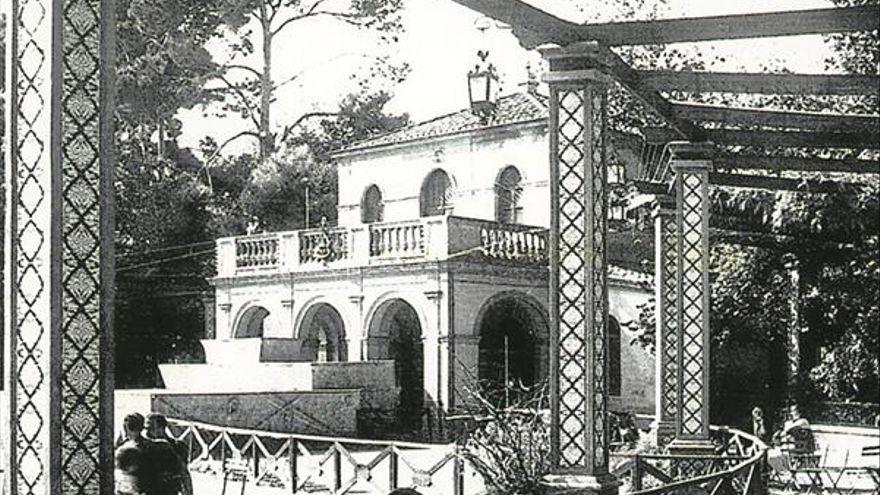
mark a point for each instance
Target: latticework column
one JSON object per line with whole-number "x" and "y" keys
{"x": 665, "y": 319}
{"x": 58, "y": 256}
{"x": 691, "y": 165}
{"x": 578, "y": 285}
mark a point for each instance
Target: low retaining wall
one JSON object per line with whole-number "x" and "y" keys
{"x": 318, "y": 412}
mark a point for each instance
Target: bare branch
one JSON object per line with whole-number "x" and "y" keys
{"x": 308, "y": 13}
{"x": 244, "y": 100}
{"x": 302, "y": 118}
{"x": 244, "y": 68}
{"x": 229, "y": 141}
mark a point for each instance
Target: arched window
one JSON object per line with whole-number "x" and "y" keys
{"x": 435, "y": 196}
{"x": 507, "y": 194}
{"x": 371, "y": 205}
{"x": 614, "y": 357}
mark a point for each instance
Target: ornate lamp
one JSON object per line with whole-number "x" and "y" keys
{"x": 483, "y": 87}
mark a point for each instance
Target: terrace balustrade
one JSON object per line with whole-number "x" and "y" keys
{"x": 426, "y": 239}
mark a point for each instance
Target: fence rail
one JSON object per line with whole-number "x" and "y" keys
{"x": 737, "y": 468}
{"x": 313, "y": 464}
{"x": 339, "y": 466}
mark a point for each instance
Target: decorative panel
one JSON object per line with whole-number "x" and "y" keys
{"x": 580, "y": 206}
{"x": 28, "y": 250}
{"x": 57, "y": 257}
{"x": 667, "y": 344}
{"x": 693, "y": 322}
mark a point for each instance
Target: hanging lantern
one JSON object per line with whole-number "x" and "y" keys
{"x": 483, "y": 87}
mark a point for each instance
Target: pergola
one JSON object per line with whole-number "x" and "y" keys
{"x": 57, "y": 432}
{"x": 690, "y": 154}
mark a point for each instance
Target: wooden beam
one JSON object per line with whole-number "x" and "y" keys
{"x": 793, "y": 139}
{"x": 532, "y": 26}
{"x": 729, "y": 27}
{"x": 780, "y": 163}
{"x": 782, "y": 242}
{"x": 612, "y": 64}
{"x": 778, "y": 183}
{"x": 733, "y": 82}
{"x": 807, "y": 121}
{"x": 542, "y": 27}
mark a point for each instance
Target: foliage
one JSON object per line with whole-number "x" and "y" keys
{"x": 359, "y": 117}
{"x": 271, "y": 192}
{"x": 511, "y": 447}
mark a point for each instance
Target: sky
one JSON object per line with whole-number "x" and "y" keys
{"x": 440, "y": 42}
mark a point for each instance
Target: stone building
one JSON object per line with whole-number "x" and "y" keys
{"x": 438, "y": 262}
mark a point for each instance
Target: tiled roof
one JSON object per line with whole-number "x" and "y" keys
{"x": 512, "y": 109}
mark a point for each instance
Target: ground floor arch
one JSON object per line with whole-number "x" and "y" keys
{"x": 395, "y": 333}
{"x": 251, "y": 323}
{"x": 322, "y": 334}
{"x": 513, "y": 335}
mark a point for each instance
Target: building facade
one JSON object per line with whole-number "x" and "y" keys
{"x": 438, "y": 262}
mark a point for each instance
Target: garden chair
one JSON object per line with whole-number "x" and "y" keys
{"x": 235, "y": 470}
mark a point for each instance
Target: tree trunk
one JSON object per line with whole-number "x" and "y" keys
{"x": 267, "y": 140}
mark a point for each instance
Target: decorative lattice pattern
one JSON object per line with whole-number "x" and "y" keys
{"x": 29, "y": 292}
{"x": 81, "y": 248}
{"x": 692, "y": 259}
{"x": 572, "y": 279}
{"x": 56, "y": 342}
{"x": 598, "y": 196}
{"x": 582, "y": 291}
{"x": 669, "y": 344}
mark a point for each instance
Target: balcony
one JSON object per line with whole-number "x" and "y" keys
{"x": 425, "y": 239}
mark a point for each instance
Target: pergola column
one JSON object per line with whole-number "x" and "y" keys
{"x": 665, "y": 319}
{"x": 691, "y": 164}
{"x": 578, "y": 285}
{"x": 793, "y": 336}
{"x": 58, "y": 253}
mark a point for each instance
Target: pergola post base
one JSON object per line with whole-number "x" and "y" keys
{"x": 662, "y": 432}
{"x": 694, "y": 459}
{"x": 581, "y": 484}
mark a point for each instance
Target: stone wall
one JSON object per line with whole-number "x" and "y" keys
{"x": 331, "y": 412}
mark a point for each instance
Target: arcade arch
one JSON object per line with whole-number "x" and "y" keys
{"x": 251, "y": 323}
{"x": 395, "y": 333}
{"x": 322, "y": 334}
{"x": 513, "y": 335}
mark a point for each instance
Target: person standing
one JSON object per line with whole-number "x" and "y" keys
{"x": 134, "y": 471}
{"x": 172, "y": 457}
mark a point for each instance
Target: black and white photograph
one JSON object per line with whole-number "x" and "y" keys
{"x": 440, "y": 247}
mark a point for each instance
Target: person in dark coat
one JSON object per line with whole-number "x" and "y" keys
{"x": 135, "y": 467}
{"x": 172, "y": 458}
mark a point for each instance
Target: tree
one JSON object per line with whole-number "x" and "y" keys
{"x": 162, "y": 67}
{"x": 251, "y": 90}
{"x": 162, "y": 217}
{"x": 271, "y": 192}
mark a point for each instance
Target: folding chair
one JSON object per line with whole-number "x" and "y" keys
{"x": 235, "y": 470}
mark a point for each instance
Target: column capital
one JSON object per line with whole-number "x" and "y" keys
{"x": 225, "y": 306}
{"x": 356, "y": 298}
{"x": 689, "y": 152}
{"x": 573, "y": 63}
{"x": 287, "y": 303}
{"x": 790, "y": 261}
{"x": 664, "y": 206}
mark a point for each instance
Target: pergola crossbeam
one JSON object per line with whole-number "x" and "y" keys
{"x": 770, "y": 183}
{"x": 729, "y": 27}
{"x": 758, "y": 83}
{"x": 794, "y": 139}
{"x": 807, "y": 121}
{"x": 798, "y": 164}
{"x": 547, "y": 28}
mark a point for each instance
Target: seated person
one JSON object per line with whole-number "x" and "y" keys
{"x": 795, "y": 437}
{"x": 795, "y": 422}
